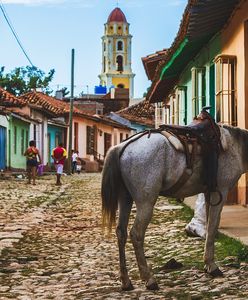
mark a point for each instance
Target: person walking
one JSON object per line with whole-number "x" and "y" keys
{"x": 74, "y": 158}
{"x": 59, "y": 155}
{"x": 32, "y": 153}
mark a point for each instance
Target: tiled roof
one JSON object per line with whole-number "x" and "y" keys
{"x": 142, "y": 113}
{"x": 7, "y": 99}
{"x": 201, "y": 21}
{"x": 49, "y": 104}
{"x": 117, "y": 15}
{"x": 57, "y": 107}
{"x": 152, "y": 61}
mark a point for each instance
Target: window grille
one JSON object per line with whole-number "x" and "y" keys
{"x": 226, "y": 102}
{"x": 181, "y": 104}
{"x": 198, "y": 90}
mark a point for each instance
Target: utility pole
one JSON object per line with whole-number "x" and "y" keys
{"x": 71, "y": 112}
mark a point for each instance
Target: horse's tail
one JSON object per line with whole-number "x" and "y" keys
{"x": 111, "y": 183}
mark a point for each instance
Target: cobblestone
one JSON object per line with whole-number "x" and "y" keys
{"x": 53, "y": 247}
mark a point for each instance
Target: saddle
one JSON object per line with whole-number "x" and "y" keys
{"x": 205, "y": 132}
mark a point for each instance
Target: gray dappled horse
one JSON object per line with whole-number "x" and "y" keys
{"x": 147, "y": 167}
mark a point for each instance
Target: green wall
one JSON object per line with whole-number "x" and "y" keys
{"x": 19, "y": 139}
{"x": 203, "y": 59}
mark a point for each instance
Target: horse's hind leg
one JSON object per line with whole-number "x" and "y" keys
{"x": 125, "y": 205}
{"x": 143, "y": 218}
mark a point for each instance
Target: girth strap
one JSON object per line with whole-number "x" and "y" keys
{"x": 181, "y": 181}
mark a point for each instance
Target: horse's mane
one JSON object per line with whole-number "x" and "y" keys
{"x": 241, "y": 135}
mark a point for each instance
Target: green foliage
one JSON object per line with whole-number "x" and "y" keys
{"x": 23, "y": 79}
{"x": 145, "y": 93}
{"x": 64, "y": 91}
{"x": 226, "y": 246}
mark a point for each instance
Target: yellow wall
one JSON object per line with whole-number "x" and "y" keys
{"x": 233, "y": 44}
{"x": 123, "y": 80}
{"x": 232, "y": 41}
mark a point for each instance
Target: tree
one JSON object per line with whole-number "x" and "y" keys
{"x": 23, "y": 79}
{"x": 145, "y": 93}
{"x": 64, "y": 91}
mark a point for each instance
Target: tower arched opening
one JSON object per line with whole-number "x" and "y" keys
{"x": 119, "y": 61}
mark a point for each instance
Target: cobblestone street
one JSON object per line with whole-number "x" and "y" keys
{"x": 53, "y": 247}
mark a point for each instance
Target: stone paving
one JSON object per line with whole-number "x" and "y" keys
{"x": 53, "y": 247}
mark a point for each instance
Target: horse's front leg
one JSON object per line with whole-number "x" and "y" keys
{"x": 213, "y": 214}
{"x": 137, "y": 234}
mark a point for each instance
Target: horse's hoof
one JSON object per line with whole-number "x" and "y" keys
{"x": 152, "y": 285}
{"x": 127, "y": 287}
{"x": 216, "y": 273}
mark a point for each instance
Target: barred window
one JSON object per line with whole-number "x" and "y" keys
{"x": 182, "y": 104}
{"x": 198, "y": 90}
{"x": 226, "y": 103}
{"x": 159, "y": 114}
{"x": 174, "y": 109}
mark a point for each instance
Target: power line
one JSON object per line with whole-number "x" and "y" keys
{"x": 14, "y": 32}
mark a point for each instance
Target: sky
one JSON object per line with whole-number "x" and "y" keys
{"x": 50, "y": 29}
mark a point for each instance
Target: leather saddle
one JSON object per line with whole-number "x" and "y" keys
{"x": 205, "y": 132}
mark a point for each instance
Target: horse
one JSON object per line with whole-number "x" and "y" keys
{"x": 146, "y": 166}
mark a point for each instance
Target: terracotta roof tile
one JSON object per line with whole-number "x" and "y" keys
{"x": 50, "y": 104}
{"x": 152, "y": 61}
{"x": 7, "y": 99}
{"x": 142, "y": 112}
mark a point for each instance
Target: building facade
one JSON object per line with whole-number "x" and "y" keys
{"x": 207, "y": 65}
{"x": 116, "y": 53}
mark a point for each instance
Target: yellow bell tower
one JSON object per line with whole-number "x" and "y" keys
{"x": 116, "y": 53}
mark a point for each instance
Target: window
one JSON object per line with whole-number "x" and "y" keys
{"x": 127, "y": 136}
{"x": 75, "y": 136}
{"x": 104, "y": 64}
{"x": 26, "y": 139}
{"x": 119, "y": 61}
{"x": 91, "y": 140}
{"x": 107, "y": 142}
{"x": 181, "y": 96}
{"x": 174, "y": 110}
{"x": 121, "y": 85}
{"x": 119, "y": 46}
{"x": 159, "y": 114}
{"x": 35, "y": 132}
{"x": 198, "y": 90}
{"x": 15, "y": 139}
{"x": 226, "y": 104}
{"x": 121, "y": 137}
{"x": 22, "y": 141}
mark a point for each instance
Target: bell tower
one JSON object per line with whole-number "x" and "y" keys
{"x": 116, "y": 53}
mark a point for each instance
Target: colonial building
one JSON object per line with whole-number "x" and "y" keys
{"x": 116, "y": 53}
{"x": 207, "y": 64}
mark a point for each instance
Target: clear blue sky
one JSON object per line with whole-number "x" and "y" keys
{"x": 49, "y": 29}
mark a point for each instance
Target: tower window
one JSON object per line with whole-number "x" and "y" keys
{"x": 104, "y": 46}
{"x": 121, "y": 85}
{"x": 119, "y": 61}
{"x": 119, "y": 46}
